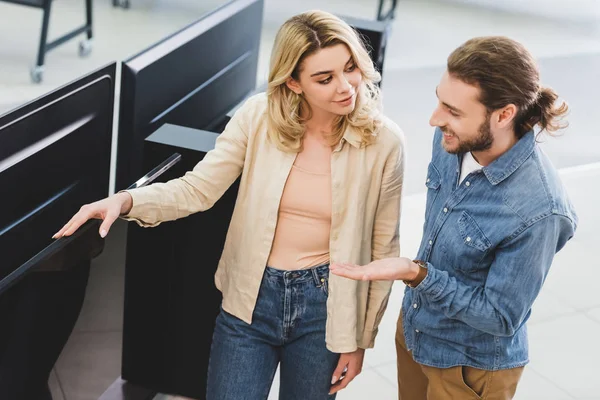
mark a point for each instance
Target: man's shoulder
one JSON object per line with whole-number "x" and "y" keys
{"x": 536, "y": 189}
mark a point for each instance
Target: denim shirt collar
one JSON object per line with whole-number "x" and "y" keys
{"x": 510, "y": 161}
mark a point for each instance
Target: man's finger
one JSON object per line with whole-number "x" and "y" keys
{"x": 353, "y": 273}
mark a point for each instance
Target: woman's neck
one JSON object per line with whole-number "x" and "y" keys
{"x": 320, "y": 123}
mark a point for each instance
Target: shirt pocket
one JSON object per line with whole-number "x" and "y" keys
{"x": 471, "y": 247}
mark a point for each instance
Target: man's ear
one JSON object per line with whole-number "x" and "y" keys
{"x": 293, "y": 85}
{"x": 505, "y": 116}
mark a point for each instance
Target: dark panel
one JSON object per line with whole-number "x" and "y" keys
{"x": 54, "y": 157}
{"x": 170, "y": 298}
{"x": 375, "y": 36}
{"x": 191, "y": 78}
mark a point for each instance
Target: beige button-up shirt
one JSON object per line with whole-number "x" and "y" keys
{"x": 366, "y": 194}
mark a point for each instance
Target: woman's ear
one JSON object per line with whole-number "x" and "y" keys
{"x": 293, "y": 85}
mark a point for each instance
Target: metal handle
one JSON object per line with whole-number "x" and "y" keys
{"x": 156, "y": 172}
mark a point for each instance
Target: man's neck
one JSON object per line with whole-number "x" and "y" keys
{"x": 502, "y": 143}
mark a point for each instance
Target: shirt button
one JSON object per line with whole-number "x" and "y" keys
{"x": 468, "y": 238}
{"x": 430, "y": 242}
{"x": 415, "y": 305}
{"x": 467, "y": 183}
{"x": 428, "y": 180}
{"x": 416, "y": 330}
{"x": 445, "y": 210}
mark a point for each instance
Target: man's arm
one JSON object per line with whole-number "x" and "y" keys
{"x": 513, "y": 283}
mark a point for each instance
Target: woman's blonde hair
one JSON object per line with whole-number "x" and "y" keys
{"x": 299, "y": 37}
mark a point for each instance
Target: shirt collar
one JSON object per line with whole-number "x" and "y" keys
{"x": 352, "y": 136}
{"x": 509, "y": 162}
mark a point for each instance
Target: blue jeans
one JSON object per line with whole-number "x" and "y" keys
{"x": 288, "y": 329}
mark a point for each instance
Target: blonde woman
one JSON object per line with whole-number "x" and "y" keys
{"x": 321, "y": 179}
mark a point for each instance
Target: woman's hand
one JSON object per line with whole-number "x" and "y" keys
{"x": 108, "y": 210}
{"x": 352, "y": 364}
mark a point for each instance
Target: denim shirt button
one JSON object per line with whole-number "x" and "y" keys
{"x": 445, "y": 210}
{"x": 430, "y": 242}
{"x": 415, "y": 305}
{"x": 416, "y": 330}
{"x": 467, "y": 183}
{"x": 468, "y": 238}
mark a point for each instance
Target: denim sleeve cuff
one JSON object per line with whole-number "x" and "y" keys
{"x": 432, "y": 284}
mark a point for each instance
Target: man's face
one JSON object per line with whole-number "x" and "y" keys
{"x": 462, "y": 118}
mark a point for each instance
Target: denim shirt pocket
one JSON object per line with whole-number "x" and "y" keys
{"x": 475, "y": 244}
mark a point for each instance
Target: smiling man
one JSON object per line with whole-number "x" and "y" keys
{"x": 496, "y": 215}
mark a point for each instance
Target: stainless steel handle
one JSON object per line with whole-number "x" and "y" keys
{"x": 156, "y": 171}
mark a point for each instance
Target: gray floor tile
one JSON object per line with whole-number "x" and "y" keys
{"x": 535, "y": 387}
{"x": 89, "y": 364}
{"x": 565, "y": 351}
{"x": 274, "y": 393}
{"x": 388, "y": 371}
{"x": 594, "y": 314}
{"x": 411, "y": 221}
{"x": 55, "y": 388}
{"x": 369, "y": 385}
{"x": 573, "y": 278}
{"x": 549, "y": 305}
{"x": 103, "y": 305}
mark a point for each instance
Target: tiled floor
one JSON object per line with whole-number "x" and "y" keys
{"x": 565, "y": 323}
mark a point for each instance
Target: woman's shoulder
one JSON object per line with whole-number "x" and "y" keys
{"x": 251, "y": 112}
{"x": 390, "y": 134}
{"x": 256, "y": 103}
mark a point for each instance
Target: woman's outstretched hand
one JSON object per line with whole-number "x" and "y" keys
{"x": 108, "y": 210}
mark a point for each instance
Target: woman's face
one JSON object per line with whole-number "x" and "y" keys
{"x": 329, "y": 81}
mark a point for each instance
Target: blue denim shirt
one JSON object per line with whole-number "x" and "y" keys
{"x": 488, "y": 243}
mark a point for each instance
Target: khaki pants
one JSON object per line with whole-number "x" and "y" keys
{"x": 420, "y": 382}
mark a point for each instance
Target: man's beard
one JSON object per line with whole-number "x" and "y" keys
{"x": 483, "y": 141}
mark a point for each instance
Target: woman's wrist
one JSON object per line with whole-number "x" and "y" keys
{"x": 126, "y": 202}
